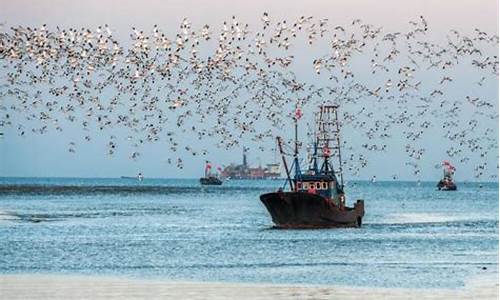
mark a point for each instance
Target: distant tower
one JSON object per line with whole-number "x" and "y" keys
{"x": 245, "y": 163}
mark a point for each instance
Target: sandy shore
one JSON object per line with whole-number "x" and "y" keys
{"x": 95, "y": 287}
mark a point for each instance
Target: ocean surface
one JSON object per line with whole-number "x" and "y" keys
{"x": 412, "y": 236}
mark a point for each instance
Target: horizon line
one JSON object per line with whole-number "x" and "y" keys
{"x": 196, "y": 178}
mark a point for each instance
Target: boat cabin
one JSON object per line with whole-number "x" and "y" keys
{"x": 323, "y": 185}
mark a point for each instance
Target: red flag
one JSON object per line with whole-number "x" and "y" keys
{"x": 208, "y": 166}
{"x": 326, "y": 151}
{"x": 298, "y": 113}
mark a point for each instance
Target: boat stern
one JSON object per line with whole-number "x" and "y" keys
{"x": 359, "y": 208}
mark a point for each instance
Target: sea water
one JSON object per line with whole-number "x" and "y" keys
{"x": 412, "y": 235}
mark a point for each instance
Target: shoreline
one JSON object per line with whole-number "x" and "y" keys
{"x": 50, "y": 286}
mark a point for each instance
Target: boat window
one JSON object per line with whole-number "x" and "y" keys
{"x": 305, "y": 185}
{"x": 299, "y": 185}
{"x": 318, "y": 185}
{"x": 325, "y": 185}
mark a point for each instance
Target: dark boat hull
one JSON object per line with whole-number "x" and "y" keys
{"x": 306, "y": 210}
{"x": 443, "y": 186}
{"x": 210, "y": 181}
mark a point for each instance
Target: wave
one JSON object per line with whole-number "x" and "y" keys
{"x": 395, "y": 264}
{"x": 423, "y": 218}
{"x": 37, "y": 217}
{"x": 30, "y": 218}
{"x": 8, "y": 216}
{"x": 114, "y": 189}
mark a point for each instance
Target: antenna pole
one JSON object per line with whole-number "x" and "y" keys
{"x": 296, "y": 152}
{"x": 338, "y": 144}
{"x": 296, "y": 138}
{"x": 284, "y": 162}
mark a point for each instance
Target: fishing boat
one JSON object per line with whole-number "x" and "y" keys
{"x": 210, "y": 178}
{"x": 316, "y": 198}
{"x": 447, "y": 183}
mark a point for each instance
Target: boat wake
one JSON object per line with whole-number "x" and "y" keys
{"x": 416, "y": 218}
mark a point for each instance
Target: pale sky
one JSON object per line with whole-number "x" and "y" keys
{"x": 47, "y": 155}
{"x": 123, "y": 14}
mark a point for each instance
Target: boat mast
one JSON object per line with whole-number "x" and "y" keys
{"x": 296, "y": 152}
{"x": 338, "y": 145}
{"x": 324, "y": 125}
{"x": 326, "y": 138}
{"x": 298, "y": 114}
{"x": 315, "y": 160}
{"x": 280, "y": 147}
{"x": 328, "y": 125}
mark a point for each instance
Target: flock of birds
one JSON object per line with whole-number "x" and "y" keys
{"x": 237, "y": 85}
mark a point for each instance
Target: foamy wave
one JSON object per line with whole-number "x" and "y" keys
{"x": 405, "y": 218}
{"x": 8, "y": 216}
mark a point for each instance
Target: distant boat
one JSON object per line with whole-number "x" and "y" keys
{"x": 139, "y": 177}
{"x": 447, "y": 183}
{"x": 210, "y": 181}
{"x": 244, "y": 171}
{"x": 316, "y": 198}
{"x": 210, "y": 178}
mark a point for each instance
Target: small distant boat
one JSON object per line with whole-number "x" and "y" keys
{"x": 316, "y": 198}
{"x": 210, "y": 181}
{"x": 447, "y": 183}
{"x": 139, "y": 177}
{"x": 210, "y": 178}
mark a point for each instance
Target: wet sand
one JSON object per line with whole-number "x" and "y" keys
{"x": 96, "y": 287}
